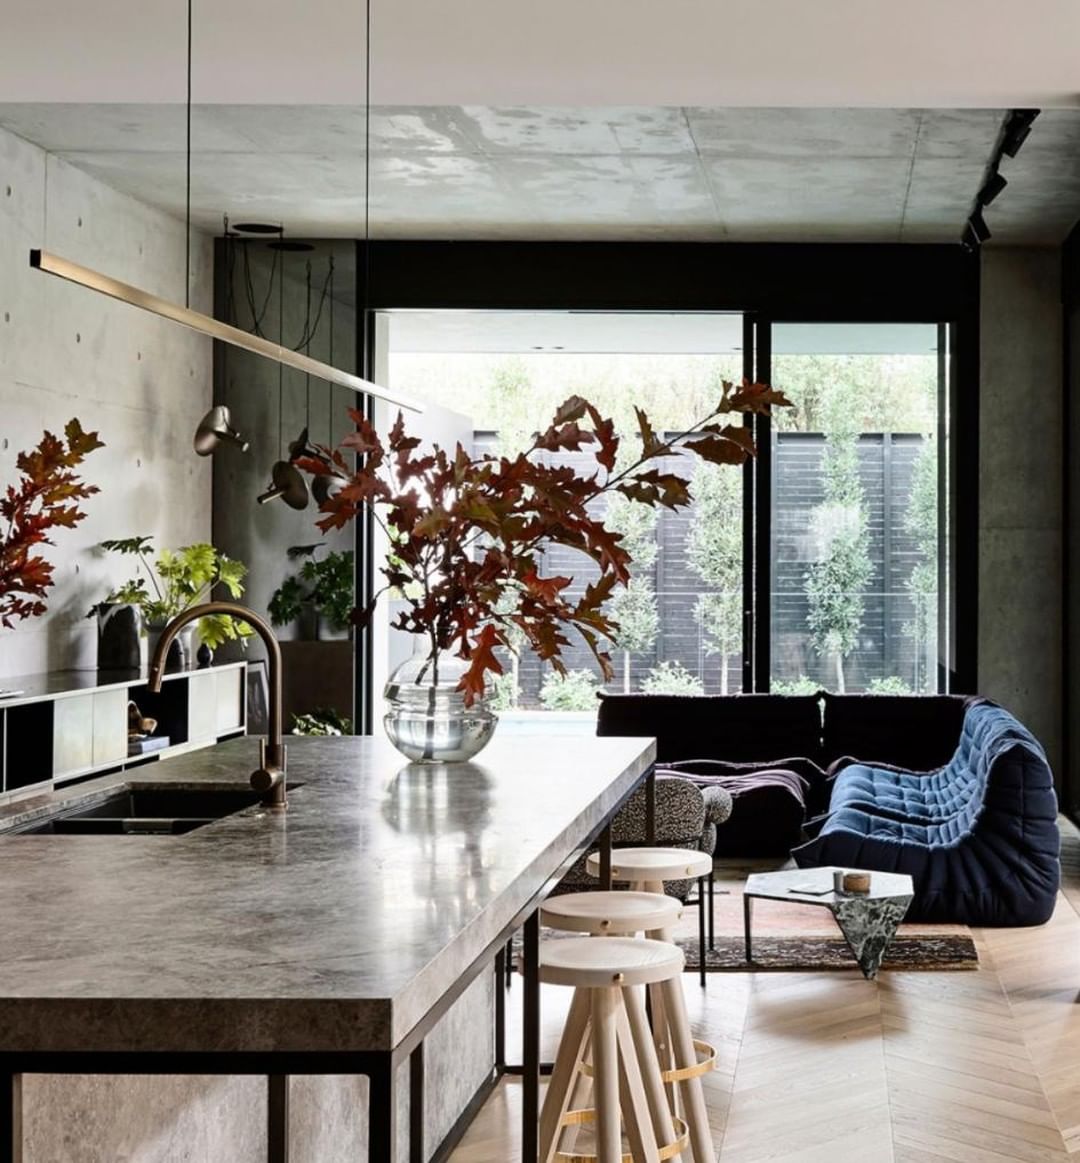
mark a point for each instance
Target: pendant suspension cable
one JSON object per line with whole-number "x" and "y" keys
{"x": 281, "y": 366}
{"x": 367, "y": 369}
{"x": 187, "y": 191}
{"x": 307, "y": 351}
{"x": 330, "y": 357}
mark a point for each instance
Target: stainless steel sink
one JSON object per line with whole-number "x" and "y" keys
{"x": 148, "y": 811}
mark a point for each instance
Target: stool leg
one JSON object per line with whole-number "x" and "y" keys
{"x": 635, "y": 1105}
{"x": 701, "y": 894}
{"x": 693, "y": 1097}
{"x": 661, "y": 1028}
{"x": 650, "y": 1071}
{"x": 606, "y": 1070}
{"x": 563, "y": 1074}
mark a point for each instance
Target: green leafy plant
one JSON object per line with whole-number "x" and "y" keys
{"x": 504, "y": 691}
{"x": 672, "y": 678}
{"x": 893, "y": 684}
{"x": 575, "y": 690}
{"x": 44, "y": 499}
{"x": 325, "y": 583}
{"x": 794, "y": 686}
{"x": 180, "y": 579}
{"x": 467, "y": 530}
{"x": 322, "y": 721}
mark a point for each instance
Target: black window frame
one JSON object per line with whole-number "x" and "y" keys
{"x": 767, "y": 283}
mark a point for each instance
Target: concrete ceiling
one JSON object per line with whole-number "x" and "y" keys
{"x": 694, "y": 173}
{"x": 758, "y": 53}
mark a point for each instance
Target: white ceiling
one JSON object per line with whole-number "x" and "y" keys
{"x": 882, "y": 175}
{"x": 649, "y": 332}
{"x": 921, "y": 53}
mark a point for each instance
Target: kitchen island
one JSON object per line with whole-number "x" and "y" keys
{"x": 327, "y": 940}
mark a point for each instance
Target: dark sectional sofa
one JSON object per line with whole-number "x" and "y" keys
{"x": 951, "y": 789}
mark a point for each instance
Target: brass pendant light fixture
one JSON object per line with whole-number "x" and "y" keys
{"x": 53, "y": 264}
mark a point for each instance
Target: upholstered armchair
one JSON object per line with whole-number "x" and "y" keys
{"x": 686, "y": 817}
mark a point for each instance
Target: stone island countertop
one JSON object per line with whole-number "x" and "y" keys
{"x": 334, "y": 926}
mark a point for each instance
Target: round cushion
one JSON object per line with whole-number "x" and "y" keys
{"x": 613, "y": 914}
{"x": 589, "y": 963}
{"x": 636, "y": 864}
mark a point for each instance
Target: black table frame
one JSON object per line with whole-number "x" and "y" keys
{"x": 380, "y": 1066}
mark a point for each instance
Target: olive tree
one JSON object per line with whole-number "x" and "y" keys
{"x": 839, "y": 527}
{"x": 921, "y": 524}
{"x": 634, "y": 605}
{"x": 714, "y": 553}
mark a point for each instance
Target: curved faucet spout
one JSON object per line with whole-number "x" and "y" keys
{"x": 269, "y": 778}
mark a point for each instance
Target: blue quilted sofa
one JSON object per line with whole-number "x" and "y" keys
{"x": 978, "y": 836}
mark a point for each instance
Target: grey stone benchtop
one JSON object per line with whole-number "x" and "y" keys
{"x": 333, "y": 926}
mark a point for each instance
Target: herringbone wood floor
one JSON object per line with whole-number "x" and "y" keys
{"x": 974, "y": 1067}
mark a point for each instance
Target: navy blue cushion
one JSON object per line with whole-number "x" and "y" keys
{"x": 739, "y": 728}
{"x": 978, "y": 836}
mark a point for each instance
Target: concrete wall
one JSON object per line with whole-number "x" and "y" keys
{"x": 1020, "y": 489}
{"x": 142, "y": 382}
{"x": 260, "y": 535}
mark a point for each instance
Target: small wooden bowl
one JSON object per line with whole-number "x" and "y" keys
{"x": 857, "y": 882}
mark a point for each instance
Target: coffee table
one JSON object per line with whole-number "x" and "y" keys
{"x": 868, "y": 921}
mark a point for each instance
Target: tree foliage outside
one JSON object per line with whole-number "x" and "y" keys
{"x": 714, "y": 547}
{"x": 672, "y": 678}
{"x": 634, "y": 606}
{"x": 634, "y": 609}
{"x": 574, "y": 691}
{"x": 921, "y": 523}
{"x": 837, "y": 578}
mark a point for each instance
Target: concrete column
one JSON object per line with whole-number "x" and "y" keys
{"x": 1020, "y": 488}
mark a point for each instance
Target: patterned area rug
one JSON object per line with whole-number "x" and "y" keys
{"x": 801, "y": 952}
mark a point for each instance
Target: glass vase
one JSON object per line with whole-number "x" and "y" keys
{"x": 426, "y": 717}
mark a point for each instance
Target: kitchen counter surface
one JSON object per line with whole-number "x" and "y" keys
{"x": 335, "y": 925}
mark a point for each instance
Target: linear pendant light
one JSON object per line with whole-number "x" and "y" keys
{"x": 52, "y": 264}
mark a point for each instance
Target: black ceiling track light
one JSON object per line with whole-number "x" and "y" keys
{"x": 1017, "y": 127}
{"x": 1014, "y": 132}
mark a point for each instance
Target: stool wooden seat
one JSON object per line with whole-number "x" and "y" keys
{"x": 647, "y": 868}
{"x": 607, "y": 1016}
{"x": 611, "y": 914}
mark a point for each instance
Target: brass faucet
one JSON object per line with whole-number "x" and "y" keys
{"x": 269, "y": 778}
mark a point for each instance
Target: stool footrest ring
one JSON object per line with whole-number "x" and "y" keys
{"x": 706, "y": 1062}
{"x": 579, "y": 1118}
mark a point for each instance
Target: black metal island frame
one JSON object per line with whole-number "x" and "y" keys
{"x": 297, "y": 943}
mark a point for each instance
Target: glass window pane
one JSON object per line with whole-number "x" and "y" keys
{"x": 506, "y": 372}
{"x": 855, "y": 513}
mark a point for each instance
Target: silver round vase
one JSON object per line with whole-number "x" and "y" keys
{"x": 426, "y": 717}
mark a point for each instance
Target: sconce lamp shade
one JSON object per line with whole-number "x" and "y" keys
{"x": 288, "y": 485}
{"x": 325, "y": 486}
{"x": 214, "y": 428}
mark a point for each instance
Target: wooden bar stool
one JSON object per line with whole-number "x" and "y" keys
{"x": 646, "y": 869}
{"x": 612, "y": 914}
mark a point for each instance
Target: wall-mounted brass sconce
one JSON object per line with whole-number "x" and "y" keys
{"x": 216, "y": 428}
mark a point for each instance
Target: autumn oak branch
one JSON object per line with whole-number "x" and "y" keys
{"x": 468, "y": 533}
{"x": 46, "y": 498}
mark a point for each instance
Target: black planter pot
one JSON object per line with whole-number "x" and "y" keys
{"x": 119, "y": 631}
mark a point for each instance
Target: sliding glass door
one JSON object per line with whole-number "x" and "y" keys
{"x": 855, "y": 514}
{"x": 821, "y": 565}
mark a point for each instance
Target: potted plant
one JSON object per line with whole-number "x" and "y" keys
{"x": 178, "y": 579}
{"x": 319, "y": 597}
{"x": 44, "y": 499}
{"x": 468, "y": 535}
